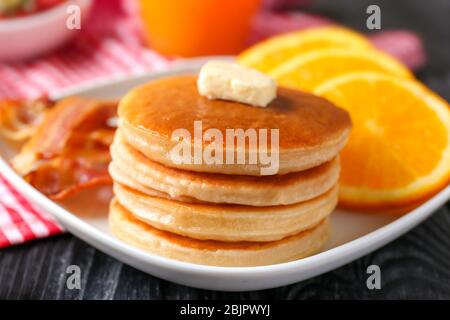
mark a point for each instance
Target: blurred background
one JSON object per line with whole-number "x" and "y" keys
{"x": 43, "y": 49}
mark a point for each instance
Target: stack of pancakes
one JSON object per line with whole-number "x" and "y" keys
{"x": 224, "y": 214}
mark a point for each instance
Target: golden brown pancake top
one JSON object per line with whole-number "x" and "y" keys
{"x": 167, "y": 104}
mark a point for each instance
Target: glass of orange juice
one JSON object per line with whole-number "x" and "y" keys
{"x": 198, "y": 27}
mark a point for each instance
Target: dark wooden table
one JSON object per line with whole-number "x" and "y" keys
{"x": 416, "y": 265}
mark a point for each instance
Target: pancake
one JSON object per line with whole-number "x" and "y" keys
{"x": 216, "y": 253}
{"x": 312, "y": 130}
{"x": 226, "y": 222}
{"x": 133, "y": 169}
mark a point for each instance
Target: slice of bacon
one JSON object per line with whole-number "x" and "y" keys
{"x": 63, "y": 176}
{"x": 70, "y": 148}
{"x": 19, "y": 119}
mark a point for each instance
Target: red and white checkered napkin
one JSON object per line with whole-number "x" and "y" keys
{"x": 110, "y": 45}
{"x": 20, "y": 220}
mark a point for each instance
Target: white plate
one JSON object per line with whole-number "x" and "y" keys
{"x": 353, "y": 234}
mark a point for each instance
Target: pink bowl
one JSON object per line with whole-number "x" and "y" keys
{"x": 27, "y": 37}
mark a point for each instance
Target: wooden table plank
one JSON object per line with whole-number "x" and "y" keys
{"x": 415, "y": 266}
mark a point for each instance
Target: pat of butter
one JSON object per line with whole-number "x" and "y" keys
{"x": 230, "y": 81}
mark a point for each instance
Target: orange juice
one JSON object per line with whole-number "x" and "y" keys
{"x": 198, "y": 27}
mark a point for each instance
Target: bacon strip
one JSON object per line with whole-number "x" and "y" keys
{"x": 19, "y": 119}
{"x": 70, "y": 149}
{"x": 64, "y": 176}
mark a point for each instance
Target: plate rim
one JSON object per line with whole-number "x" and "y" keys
{"x": 314, "y": 265}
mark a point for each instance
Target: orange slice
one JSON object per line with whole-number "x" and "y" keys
{"x": 308, "y": 70}
{"x": 399, "y": 149}
{"x": 272, "y": 52}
